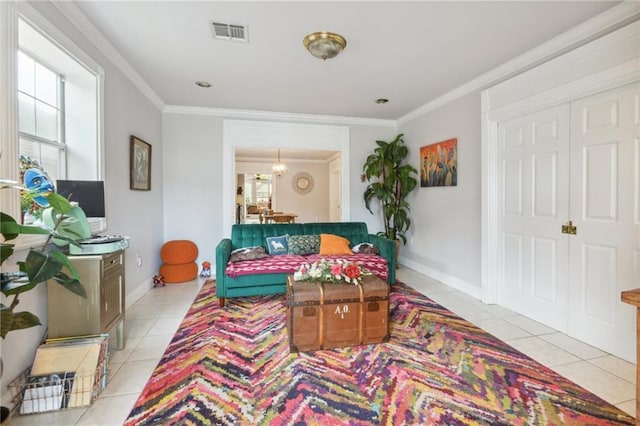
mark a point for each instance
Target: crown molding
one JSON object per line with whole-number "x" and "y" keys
{"x": 283, "y": 160}
{"x": 610, "y": 20}
{"x": 279, "y": 116}
{"x": 79, "y": 19}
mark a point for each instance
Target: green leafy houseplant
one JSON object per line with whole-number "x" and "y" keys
{"x": 43, "y": 263}
{"x": 391, "y": 180}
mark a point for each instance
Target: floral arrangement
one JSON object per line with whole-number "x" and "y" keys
{"x": 337, "y": 271}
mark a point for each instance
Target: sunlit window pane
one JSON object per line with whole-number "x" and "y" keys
{"x": 27, "y": 111}
{"x": 26, "y": 74}
{"x": 50, "y": 160}
{"x": 30, "y": 148}
{"x": 46, "y": 121}
{"x": 263, "y": 191}
{"x": 46, "y": 85}
{"x": 248, "y": 191}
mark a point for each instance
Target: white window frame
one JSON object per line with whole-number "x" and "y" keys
{"x": 10, "y": 13}
{"x": 59, "y": 143}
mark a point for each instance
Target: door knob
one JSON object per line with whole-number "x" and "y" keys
{"x": 568, "y": 228}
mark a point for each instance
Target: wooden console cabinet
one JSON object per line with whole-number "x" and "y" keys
{"x": 632, "y": 297}
{"x": 103, "y": 279}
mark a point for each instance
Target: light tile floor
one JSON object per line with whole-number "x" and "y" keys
{"x": 152, "y": 321}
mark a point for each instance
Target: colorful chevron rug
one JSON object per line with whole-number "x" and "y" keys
{"x": 232, "y": 366}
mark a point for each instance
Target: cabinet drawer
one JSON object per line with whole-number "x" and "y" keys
{"x": 112, "y": 263}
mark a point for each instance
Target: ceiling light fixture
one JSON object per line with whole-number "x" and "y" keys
{"x": 324, "y": 45}
{"x": 203, "y": 84}
{"x": 279, "y": 168}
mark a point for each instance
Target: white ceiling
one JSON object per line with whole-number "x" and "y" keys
{"x": 407, "y": 52}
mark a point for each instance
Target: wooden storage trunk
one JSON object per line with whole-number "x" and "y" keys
{"x": 328, "y": 315}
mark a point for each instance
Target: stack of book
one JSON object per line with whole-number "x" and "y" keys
{"x": 66, "y": 373}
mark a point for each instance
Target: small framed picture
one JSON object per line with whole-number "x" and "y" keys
{"x": 140, "y": 161}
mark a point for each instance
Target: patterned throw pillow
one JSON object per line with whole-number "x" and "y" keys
{"x": 304, "y": 244}
{"x": 248, "y": 253}
{"x": 277, "y": 245}
{"x": 365, "y": 248}
{"x": 333, "y": 245}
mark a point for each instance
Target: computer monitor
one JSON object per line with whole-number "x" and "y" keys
{"x": 89, "y": 194}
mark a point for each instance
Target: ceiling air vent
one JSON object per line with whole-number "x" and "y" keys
{"x": 222, "y": 31}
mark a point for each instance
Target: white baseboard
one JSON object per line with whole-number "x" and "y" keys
{"x": 457, "y": 283}
{"x": 141, "y": 290}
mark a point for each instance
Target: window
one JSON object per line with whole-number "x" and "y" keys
{"x": 258, "y": 189}
{"x": 40, "y": 115}
{"x": 50, "y": 107}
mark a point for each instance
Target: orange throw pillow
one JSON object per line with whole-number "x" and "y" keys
{"x": 333, "y": 245}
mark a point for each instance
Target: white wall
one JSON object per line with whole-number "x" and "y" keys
{"x": 445, "y": 239}
{"x": 192, "y": 181}
{"x": 311, "y": 207}
{"x": 136, "y": 214}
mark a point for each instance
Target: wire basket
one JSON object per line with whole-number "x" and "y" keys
{"x": 56, "y": 391}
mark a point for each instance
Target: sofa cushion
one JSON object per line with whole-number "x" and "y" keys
{"x": 247, "y": 253}
{"x": 304, "y": 244}
{"x": 334, "y": 245}
{"x": 365, "y": 248}
{"x": 277, "y": 245}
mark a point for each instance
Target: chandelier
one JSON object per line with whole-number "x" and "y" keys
{"x": 279, "y": 168}
{"x": 324, "y": 45}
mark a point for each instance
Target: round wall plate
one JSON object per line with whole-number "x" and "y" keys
{"x": 302, "y": 183}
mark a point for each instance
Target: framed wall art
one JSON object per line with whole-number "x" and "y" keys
{"x": 140, "y": 163}
{"x": 439, "y": 164}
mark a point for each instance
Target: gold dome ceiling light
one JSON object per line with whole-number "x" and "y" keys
{"x": 324, "y": 45}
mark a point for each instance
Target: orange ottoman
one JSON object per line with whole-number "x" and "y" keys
{"x": 179, "y": 261}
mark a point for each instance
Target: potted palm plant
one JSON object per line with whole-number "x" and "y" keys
{"x": 391, "y": 180}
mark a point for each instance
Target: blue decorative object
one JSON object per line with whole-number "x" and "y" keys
{"x": 39, "y": 183}
{"x": 277, "y": 245}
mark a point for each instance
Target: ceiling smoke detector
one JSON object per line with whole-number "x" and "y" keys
{"x": 232, "y": 32}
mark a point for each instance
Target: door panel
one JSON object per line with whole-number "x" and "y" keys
{"x": 604, "y": 197}
{"x": 545, "y": 265}
{"x": 534, "y": 159}
{"x": 335, "y": 191}
{"x": 600, "y": 182}
{"x": 512, "y": 255}
{"x": 545, "y": 184}
{"x": 598, "y": 267}
{"x": 512, "y": 187}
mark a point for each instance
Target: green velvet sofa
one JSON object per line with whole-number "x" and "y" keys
{"x": 248, "y": 235}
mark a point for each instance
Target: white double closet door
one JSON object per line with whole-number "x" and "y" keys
{"x": 577, "y": 162}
